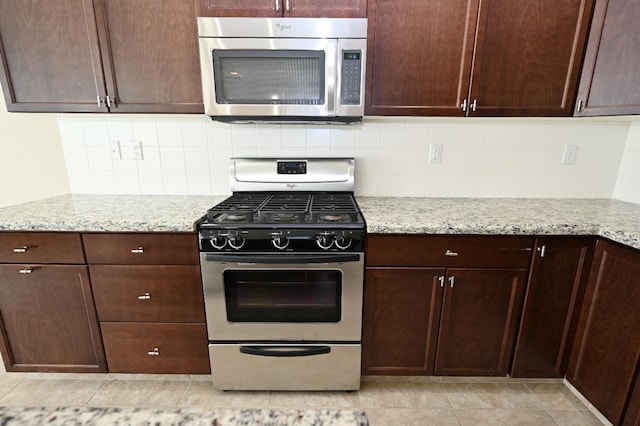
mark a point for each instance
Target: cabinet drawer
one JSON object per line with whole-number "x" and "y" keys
{"x": 41, "y": 247}
{"x": 141, "y": 249}
{"x": 448, "y": 251}
{"x": 156, "y": 348}
{"x": 148, "y": 293}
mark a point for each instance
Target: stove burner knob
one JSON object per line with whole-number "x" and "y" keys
{"x": 324, "y": 241}
{"x": 343, "y": 242}
{"x": 280, "y": 242}
{"x": 236, "y": 242}
{"x": 218, "y": 241}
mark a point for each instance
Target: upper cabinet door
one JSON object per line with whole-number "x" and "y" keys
{"x": 50, "y": 57}
{"x": 419, "y": 56}
{"x": 325, "y": 8}
{"x": 610, "y": 82}
{"x": 150, "y": 52}
{"x": 240, "y": 7}
{"x": 528, "y": 56}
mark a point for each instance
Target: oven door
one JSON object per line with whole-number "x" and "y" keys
{"x": 268, "y": 76}
{"x": 283, "y": 297}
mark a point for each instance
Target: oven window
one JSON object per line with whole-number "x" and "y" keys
{"x": 283, "y": 296}
{"x": 280, "y": 77}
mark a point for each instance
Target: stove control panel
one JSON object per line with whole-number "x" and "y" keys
{"x": 289, "y": 240}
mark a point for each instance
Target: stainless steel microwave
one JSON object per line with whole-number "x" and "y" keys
{"x": 283, "y": 69}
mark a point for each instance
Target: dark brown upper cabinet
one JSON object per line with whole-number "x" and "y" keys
{"x": 100, "y": 56}
{"x": 475, "y": 58}
{"x": 610, "y": 81}
{"x": 286, "y": 8}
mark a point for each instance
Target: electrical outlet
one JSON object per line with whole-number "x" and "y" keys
{"x": 569, "y": 154}
{"x": 114, "y": 150}
{"x": 435, "y": 153}
{"x": 136, "y": 150}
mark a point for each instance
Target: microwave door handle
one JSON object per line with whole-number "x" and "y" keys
{"x": 282, "y": 259}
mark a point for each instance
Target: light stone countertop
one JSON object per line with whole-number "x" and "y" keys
{"x": 616, "y": 220}
{"x": 108, "y": 213}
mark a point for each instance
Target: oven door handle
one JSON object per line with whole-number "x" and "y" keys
{"x": 282, "y": 259}
{"x": 285, "y": 351}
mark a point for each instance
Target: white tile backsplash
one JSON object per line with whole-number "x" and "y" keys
{"x": 481, "y": 157}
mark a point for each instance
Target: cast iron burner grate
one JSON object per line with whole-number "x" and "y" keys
{"x": 285, "y": 208}
{"x": 333, "y": 208}
{"x": 239, "y": 208}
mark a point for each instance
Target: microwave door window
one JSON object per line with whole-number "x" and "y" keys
{"x": 266, "y": 77}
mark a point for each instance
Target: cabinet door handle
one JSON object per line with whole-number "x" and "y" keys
{"x": 463, "y": 105}
{"x": 451, "y": 253}
{"x": 137, "y": 250}
{"x": 145, "y": 296}
{"x": 441, "y": 280}
{"x": 154, "y": 352}
{"x": 277, "y": 5}
{"x": 474, "y": 105}
{"x": 22, "y": 249}
{"x": 287, "y": 5}
{"x": 26, "y": 271}
{"x": 542, "y": 250}
{"x": 452, "y": 281}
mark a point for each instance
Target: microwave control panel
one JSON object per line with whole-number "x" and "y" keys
{"x": 351, "y": 77}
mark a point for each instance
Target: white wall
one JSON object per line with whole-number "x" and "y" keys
{"x": 481, "y": 157}
{"x": 628, "y": 184}
{"x": 32, "y": 163}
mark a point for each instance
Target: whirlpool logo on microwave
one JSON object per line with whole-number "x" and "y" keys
{"x": 282, "y": 27}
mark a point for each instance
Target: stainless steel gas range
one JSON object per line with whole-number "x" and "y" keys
{"x": 282, "y": 267}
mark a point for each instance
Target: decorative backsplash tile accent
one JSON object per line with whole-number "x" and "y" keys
{"x": 480, "y": 157}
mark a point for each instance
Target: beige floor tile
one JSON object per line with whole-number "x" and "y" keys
{"x": 202, "y": 394}
{"x": 497, "y": 416}
{"x": 404, "y": 379}
{"x": 410, "y": 417}
{"x": 170, "y": 377}
{"x": 403, "y": 395}
{"x": 139, "y": 393}
{"x": 555, "y": 396}
{"x": 574, "y": 418}
{"x": 303, "y": 400}
{"x": 490, "y": 395}
{"x": 8, "y": 383}
{"x": 48, "y": 392}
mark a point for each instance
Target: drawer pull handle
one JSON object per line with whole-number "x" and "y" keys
{"x": 145, "y": 296}
{"x": 451, "y": 253}
{"x": 137, "y": 250}
{"x": 154, "y": 352}
{"x": 26, "y": 271}
{"x": 22, "y": 249}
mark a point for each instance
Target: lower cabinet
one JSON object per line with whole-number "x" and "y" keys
{"x": 480, "y": 314}
{"x": 442, "y": 305}
{"x": 606, "y": 352}
{"x": 401, "y": 318}
{"x": 558, "y": 277}
{"x": 47, "y": 316}
{"x": 149, "y": 301}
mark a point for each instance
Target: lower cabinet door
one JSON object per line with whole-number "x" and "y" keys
{"x": 480, "y": 314}
{"x": 401, "y": 317}
{"x": 156, "y": 348}
{"x": 48, "y": 320}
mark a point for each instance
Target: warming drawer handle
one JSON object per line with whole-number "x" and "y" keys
{"x": 285, "y": 351}
{"x": 282, "y": 259}
{"x": 22, "y": 249}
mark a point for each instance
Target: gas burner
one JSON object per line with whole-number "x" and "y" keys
{"x": 334, "y": 218}
{"x": 276, "y": 217}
